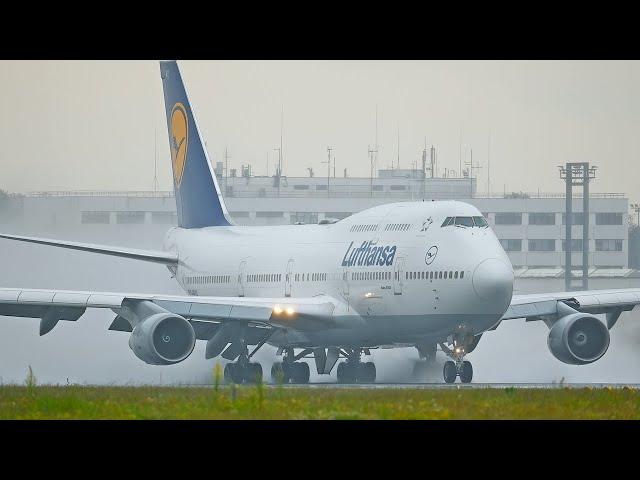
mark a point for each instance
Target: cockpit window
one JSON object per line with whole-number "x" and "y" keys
{"x": 480, "y": 222}
{"x": 464, "y": 221}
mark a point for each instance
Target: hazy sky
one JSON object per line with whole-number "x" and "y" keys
{"x": 69, "y": 125}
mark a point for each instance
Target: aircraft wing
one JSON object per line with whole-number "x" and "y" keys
{"x": 164, "y": 258}
{"x": 540, "y": 306}
{"x": 205, "y": 314}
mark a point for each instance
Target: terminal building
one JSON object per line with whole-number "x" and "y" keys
{"x": 531, "y": 227}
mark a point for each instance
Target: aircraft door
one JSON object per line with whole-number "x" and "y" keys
{"x": 345, "y": 282}
{"x": 289, "y": 278}
{"x": 398, "y": 276}
{"x": 241, "y": 278}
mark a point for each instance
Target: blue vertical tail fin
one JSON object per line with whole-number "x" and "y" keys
{"x": 198, "y": 198}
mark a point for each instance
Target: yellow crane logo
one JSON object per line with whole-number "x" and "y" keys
{"x": 179, "y": 140}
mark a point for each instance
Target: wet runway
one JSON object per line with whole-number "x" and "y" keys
{"x": 459, "y": 386}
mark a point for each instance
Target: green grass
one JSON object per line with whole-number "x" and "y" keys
{"x": 259, "y": 402}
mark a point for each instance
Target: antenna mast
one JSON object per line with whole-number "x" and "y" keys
{"x": 155, "y": 160}
{"x": 489, "y": 168}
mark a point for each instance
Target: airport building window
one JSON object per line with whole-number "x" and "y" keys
{"x": 609, "y": 245}
{"x": 130, "y": 217}
{"x": 303, "y": 217}
{"x": 239, "y": 214}
{"x": 301, "y": 187}
{"x": 578, "y": 218}
{"x": 511, "y": 244}
{"x": 509, "y": 218}
{"x": 377, "y": 188}
{"x": 576, "y": 245}
{"x": 269, "y": 214}
{"x": 542, "y": 245}
{"x": 321, "y": 187}
{"x": 94, "y": 217}
{"x": 164, "y": 218}
{"x": 608, "y": 218}
{"x": 398, "y": 187}
{"x": 542, "y": 218}
{"x": 338, "y": 215}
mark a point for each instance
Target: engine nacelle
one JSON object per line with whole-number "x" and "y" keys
{"x": 162, "y": 339}
{"x": 578, "y": 339}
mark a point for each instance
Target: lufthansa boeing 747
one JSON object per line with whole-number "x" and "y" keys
{"x": 420, "y": 274}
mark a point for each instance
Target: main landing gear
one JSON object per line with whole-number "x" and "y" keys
{"x": 290, "y": 370}
{"x": 457, "y": 366}
{"x": 243, "y": 370}
{"x": 355, "y": 371}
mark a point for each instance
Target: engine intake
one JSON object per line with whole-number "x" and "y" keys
{"x": 163, "y": 339}
{"x": 578, "y": 339}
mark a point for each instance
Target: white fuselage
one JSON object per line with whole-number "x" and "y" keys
{"x": 394, "y": 267}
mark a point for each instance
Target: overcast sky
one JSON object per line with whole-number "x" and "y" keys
{"x": 70, "y": 125}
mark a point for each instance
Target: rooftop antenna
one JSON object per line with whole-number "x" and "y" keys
{"x": 334, "y": 165}
{"x": 398, "y": 162}
{"x": 489, "y": 167}
{"x": 371, "y": 156}
{"x": 226, "y": 169}
{"x": 460, "y": 157}
{"x": 471, "y": 167}
{"x": 328, "y": 162}
{"x": 155, "y": 160}
{"x": 376, "y": 147}
{"x": 279, "y": 169}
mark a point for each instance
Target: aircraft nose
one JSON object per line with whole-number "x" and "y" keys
{"x": 493, "y": 282}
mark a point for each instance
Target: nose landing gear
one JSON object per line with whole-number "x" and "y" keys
{"x": 457, "y": 366}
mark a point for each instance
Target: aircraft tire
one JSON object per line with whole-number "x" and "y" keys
{"x": 233, "y": 373}
{"x": 253, "y": 373}
{"x": 300, "y": 372}
{"x": 367, "y": 372}
{"x": 466, "y": 375}
{"x": 449, "y": 372}
{"x": 346, "y": 373}
{"x": 279, "y": 374}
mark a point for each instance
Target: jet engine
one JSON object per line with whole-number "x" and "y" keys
{"x": 578, "y": 339}
{"x": 162, "y": 339}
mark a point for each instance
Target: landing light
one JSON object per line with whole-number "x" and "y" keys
{"x": 277, "y": 309}
{"x": 290, "y": 311}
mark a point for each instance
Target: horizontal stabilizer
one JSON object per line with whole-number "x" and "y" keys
{"x": 164, "y": 258}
